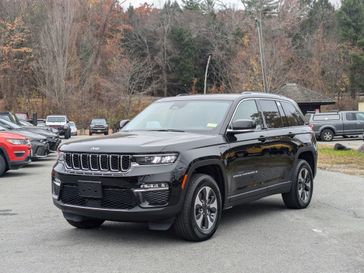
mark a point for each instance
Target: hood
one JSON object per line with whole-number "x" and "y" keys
{"x": 143, "y": 142}
{"x": 11, "y": 135}
{"x": 28, "y": 134}
{"x": 40, "y": 131}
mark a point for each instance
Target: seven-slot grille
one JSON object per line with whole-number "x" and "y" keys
{"x": 98, "y": 162}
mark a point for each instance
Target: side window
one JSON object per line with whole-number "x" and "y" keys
{"x": 271, "y": 113}
{"x": 360, "y": 116}
{"x": 350, "y": 116}
{"x": 294, "y": 117}
{"x": 248, "y": 110}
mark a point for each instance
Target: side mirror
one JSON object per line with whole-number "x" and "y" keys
{"x": 242, "y": 126}
{"x": 123, "y": 122}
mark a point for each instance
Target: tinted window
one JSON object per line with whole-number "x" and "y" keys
{"x": 360, "y": 116}
{"x": 294, "y": 117}
{"x": 248, "y": 110}
{"x": 271, "y": 113}
{"x": 326, "y": 117}
{"x": 350, "y": 116}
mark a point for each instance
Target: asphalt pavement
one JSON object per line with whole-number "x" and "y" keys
{"x": 262, "y": 236}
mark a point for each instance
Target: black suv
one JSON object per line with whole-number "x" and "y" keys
{"x": 99, "y": 126}
{"x": 183, "y": 160}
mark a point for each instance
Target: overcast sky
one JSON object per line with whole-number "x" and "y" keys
{"x": 233, "y": 3}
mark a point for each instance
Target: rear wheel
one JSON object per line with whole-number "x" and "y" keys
{"x": 201, "y": 212}
{"x": 301, "y": 191}
{"x": 327, "y": 135}
{"x": 86, "y": 224}
{"x": 3, "y": 167}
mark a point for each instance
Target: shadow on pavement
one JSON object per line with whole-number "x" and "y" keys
{"x": 135, "y": 233}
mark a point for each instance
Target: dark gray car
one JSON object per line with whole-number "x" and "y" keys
{"x": 328, "y": 125}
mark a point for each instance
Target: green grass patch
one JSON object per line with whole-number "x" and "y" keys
{"x": 350, "y": 161}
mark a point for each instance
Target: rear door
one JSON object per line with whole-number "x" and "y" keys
{"x": 278, "y": 148}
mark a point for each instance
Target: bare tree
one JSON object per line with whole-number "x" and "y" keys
{"x": 57, "y": 50}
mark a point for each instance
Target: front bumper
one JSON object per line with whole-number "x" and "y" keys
{"x": 39, "y": 149}
{"x": 54, "y": 144}
{"x": 98, "y": 130}
{"x": 16, "y": 164}
{"x": 122, "y": 198}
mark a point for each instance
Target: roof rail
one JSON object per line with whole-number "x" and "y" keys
{"x": 182, "y": 94}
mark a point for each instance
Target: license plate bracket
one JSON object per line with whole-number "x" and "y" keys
{"x": 90, "y": 189}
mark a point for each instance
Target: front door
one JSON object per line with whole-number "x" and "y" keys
{"x": 245, "y": 159}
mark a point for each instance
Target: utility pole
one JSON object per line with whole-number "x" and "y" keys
{"x": 261, "y": 50}
{"x": 206, "y": 72}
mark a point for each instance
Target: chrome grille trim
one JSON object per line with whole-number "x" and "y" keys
{"x": 103, "y": 163}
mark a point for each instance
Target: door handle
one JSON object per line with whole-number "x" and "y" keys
{"x": 262, "y": 139}
{"x": 291, "y": 135}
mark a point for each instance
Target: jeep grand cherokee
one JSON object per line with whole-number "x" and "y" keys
{"x": 184, "y": 160}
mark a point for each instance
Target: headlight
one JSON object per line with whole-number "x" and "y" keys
{"x": 60, "y": 156}
{"x": 155, "y": 159}
{"x": 18, "y": 141}
{"x": 65, "y": 127}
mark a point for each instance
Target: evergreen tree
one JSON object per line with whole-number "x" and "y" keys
{"x": 191, "y": 4}
{"x": 351, "y": 19}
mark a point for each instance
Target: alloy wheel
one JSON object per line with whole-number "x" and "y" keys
{"x": 304, "y": 185}
{"x": 205, "y": 209}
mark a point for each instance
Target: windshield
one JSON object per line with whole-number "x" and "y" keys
{"x": 8, "y": 124}
{"x": 98, "y": 122}
{"x": 205, "y": 116}
{"x": 56, "y": 119}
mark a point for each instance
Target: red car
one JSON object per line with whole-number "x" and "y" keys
{"x": 15, "y": 151}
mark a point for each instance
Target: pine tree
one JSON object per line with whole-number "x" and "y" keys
{"x": 191, "y": 4}
{"x": 351, "y": 19}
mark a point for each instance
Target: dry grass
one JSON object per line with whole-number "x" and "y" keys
{"x": 349, "y": 162}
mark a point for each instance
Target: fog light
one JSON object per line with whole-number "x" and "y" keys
{"x": 56, "y": 186}
{"x": 155, "y": 186}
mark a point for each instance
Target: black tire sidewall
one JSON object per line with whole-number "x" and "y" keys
{"x": 199, "y": 182}
{"x": 2, "y": 165}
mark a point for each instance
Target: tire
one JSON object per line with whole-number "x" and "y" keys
{"x": 86, "y": 224}
{"x": 194, "y": 224}
{"x": 90, "y": 134}
{"x": 327, "y": 135}
{"x": 300, "y": 195}
{"x": 3, "y": 166}
{"x": 106, "y": 134}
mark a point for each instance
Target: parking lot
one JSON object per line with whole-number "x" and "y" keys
{"x": 259, "y": 237}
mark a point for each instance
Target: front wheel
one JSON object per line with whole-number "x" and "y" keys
{"x": 300, "y": 195}
{"x": 86, "y": 224}
{"x": 3, "y": 168}
{"x": 201, "y": 212}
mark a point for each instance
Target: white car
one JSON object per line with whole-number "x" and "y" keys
{"x": 73, "y": 128}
